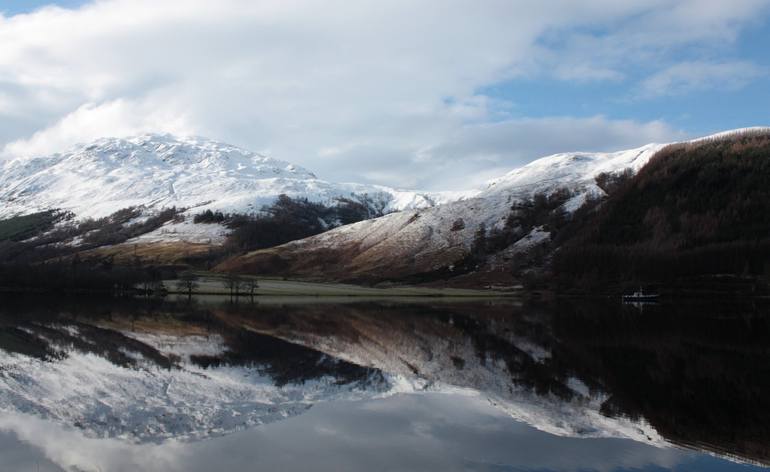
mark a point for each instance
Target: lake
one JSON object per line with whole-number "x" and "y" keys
{"x": 388, "y": 384}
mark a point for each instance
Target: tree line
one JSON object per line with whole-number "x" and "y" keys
{"x": 289, "y": 219}
{"x": 42, "y": 252}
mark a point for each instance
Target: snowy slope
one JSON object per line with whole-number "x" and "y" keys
{"x": 575, "y": 171}
{"x": 427, "y": 239}
{"x": 424, "y": 240}
{"x": 158, "y": 171}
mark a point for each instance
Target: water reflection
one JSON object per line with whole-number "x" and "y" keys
{"x": 146, "y": 372}
{"x": 403, "y": 432}
{"x": 149, "y": 373}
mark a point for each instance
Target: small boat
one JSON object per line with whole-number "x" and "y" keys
{"x": 640, "y": 296}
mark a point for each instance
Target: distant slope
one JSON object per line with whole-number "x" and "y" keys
{"x": 420, "y": 245}
{"x": 573, "y": 170}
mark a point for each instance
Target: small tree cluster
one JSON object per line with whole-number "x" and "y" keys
{"x": 237, "y": 285}
{"x": 209, "y": 216}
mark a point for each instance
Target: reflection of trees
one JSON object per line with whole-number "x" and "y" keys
{"x": 698, "y": 374}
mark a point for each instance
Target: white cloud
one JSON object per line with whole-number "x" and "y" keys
{"x": 687, "y": 77}
{"x": 115, "y": 118}
{"x": 475, "y": 153}
{"x": 352, "y": 90}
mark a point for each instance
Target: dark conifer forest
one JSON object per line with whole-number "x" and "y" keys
{"x": 696, "y": 211}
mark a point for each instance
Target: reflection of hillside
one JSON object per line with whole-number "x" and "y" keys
{"x": 501, "y": 351}
{"x": 697, "y": 374}
{"x": 451, "y": 344}
{"x": 116, "y": 336}
{"x": 150, "y": 373}
{"x": 693, "y": 375}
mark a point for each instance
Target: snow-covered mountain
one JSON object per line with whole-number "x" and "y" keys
{"x": 424, "y": 232}
{"x": 426, "y": 240}
{"x": 161, "y": 171}
{"x": 429, "y": 239}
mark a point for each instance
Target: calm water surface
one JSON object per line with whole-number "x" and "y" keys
{"x": 123, "y": 385}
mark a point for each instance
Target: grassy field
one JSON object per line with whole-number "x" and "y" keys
{"x": 172, "y": 252}
{"x": 214, "y": 284}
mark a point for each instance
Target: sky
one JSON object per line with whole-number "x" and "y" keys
{"x": 434, "y": 94}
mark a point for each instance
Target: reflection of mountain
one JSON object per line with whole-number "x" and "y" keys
{"x": 694, "y": 376}
{"x": 506, "y": 357}
{"x": 183, "y": 380}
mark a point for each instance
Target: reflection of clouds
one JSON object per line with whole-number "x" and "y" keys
{"x": 16, "y": 456}
{"x": 72, "y": 451}
{"x": 405, "y": 432}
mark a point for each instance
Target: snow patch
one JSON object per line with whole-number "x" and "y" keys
{"x": 184, "y": 231}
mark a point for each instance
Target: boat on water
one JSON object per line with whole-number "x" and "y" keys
{"x": 640, "y": 296}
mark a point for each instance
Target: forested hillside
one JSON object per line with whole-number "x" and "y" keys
{"x": 697, "y": 210}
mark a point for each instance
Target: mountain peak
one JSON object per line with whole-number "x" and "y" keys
{"x": 155, "y": 149}
{"x": 161, "y": 170}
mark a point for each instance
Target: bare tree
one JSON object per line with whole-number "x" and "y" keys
{"x": 250, "y": 286}
{"x": 232, "y": 283}
{"x": 158, "y": 289}
{"x": 187, "y": 282}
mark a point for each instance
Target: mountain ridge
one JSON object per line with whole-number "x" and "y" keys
{"x": 422, "y": 237}
{"x": 159, "y": 171}
{"x": 444, "y": 242}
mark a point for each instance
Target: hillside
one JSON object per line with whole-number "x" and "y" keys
{"x": 143, "y": 196}
{"x": 695, "y": 208}
{"x": 432, "y": 244}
